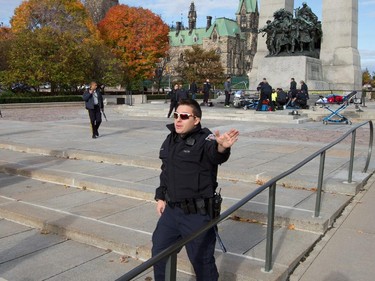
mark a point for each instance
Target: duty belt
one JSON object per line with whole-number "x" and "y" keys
{"x": 191, "y": 206}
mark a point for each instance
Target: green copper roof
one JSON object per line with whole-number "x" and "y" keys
{"x": 223, "y": 26}
{"x": 251, "y": 6}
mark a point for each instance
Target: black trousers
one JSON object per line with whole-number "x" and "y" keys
{"x": 173, "y": 225}
{"x": 205, "y": 97}
{"x": 172, "y": 107}
{"x": 95, "y": 119}
{"x": 227, "y": 98}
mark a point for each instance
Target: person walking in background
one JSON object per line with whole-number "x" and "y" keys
{"x": 190, "y": 157}
{"x": 173, "y": 101}
{"x": 304, "y": 89}
{"x": 206, "y": 91}
{"x": 94, "y": 105}
{"x": 193, "y": 90}
{"x": 182, "y": 94}
{"x": 227, "y": 90}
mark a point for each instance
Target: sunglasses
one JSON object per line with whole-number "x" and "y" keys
{"x": 183, "y": 116}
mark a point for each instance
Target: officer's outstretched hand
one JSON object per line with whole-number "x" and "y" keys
{"x": 227, "y": 139}
{"x": 160, "y": 207}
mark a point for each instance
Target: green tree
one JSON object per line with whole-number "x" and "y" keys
{"x": 5, "y": 39}
{"x": 366, "y": 77}
{"x": 56, "y": 41}
{"x": 198, "y": 64}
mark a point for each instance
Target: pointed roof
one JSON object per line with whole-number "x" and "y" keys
{"x": 250, "y": 5}
{"x": 223, "y": 26}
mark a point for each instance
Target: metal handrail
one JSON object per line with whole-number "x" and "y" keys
{"x": 171, "y": 252}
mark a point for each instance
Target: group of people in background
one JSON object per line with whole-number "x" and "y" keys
{"x": 271, "y": 99}
{"x": 178, "y": 93}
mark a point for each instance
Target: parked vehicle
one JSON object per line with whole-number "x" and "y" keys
{"x": 20, "y": 87}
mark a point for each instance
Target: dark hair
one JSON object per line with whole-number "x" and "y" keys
{"x": 197, "y": 111}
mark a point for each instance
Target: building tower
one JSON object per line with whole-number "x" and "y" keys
{"x": 247, "y": 16}
{"x": 192, "y": 17}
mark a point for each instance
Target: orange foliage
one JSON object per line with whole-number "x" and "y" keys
{"x": 5, "y": 33}
{"x": 137, "y": 36}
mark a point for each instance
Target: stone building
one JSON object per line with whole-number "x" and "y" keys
{"x": 234, "y": 40}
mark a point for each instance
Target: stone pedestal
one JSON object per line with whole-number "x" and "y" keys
{"x": 279, "y": 70}
{"x": 339, "y": 53}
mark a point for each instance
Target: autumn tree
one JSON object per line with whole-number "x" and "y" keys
{"x": 198, "y": 64}
{"x": 366, "y": 77}
{"x": 138, "y": 38}
{"x": 54, "y": 41}
{"x": 5, "y": 38}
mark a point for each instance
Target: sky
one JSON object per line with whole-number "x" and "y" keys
{"x": 176, "y": 10}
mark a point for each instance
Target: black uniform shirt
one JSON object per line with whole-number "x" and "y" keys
{"x": 189, "y": 165}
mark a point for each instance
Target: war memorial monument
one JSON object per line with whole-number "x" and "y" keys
{"x": 294, "y": 43}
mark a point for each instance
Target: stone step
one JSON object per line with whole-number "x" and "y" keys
{"x": 124, "y": 225}
{"x": 113, "y": 208}
{"x": 282, "y": 116}
{"x": 15, "y": 161}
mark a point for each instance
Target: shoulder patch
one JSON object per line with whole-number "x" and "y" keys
{"x": 210, "y": 137}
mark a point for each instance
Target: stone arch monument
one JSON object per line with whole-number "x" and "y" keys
{"x": 337, "y": 68}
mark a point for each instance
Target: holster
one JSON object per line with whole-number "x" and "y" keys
{"x": 214, "y": 205}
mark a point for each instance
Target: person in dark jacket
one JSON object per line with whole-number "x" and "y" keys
{"x": 206, "y": 91}
{"x": 265, "y": 94}
{"x": 293, "y": 84}
{"x": 173, "y": 101}
{"x": 190, "y": 157}
{"x": 227, "y": 90}
{"x": 193, "y": 90}
{"x": 304, "y": 89}
{"x": 94, "y": 105}
{"x": 182, "y": 94}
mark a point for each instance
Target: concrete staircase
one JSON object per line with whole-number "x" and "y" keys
{"x": 106, "y": 201}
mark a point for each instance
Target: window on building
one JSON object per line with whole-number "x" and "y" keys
{"x": 243, "y": 21}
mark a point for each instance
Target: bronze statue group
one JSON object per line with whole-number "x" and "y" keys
{"x": 288, "y": 34}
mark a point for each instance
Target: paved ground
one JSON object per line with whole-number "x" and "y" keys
{"x": 265, "y": 149}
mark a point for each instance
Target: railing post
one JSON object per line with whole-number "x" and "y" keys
{"x": 371, "y": 140}
{"x": 171, "y": 268}
{"x": 320, "y": 184}
{"x": 351, "y": 161}
{"x": 270, "y": 226}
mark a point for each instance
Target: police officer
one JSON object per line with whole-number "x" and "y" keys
{"x": 190, "y": 157}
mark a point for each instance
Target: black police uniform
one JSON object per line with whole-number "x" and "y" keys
{"x": 188, "y": 178}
